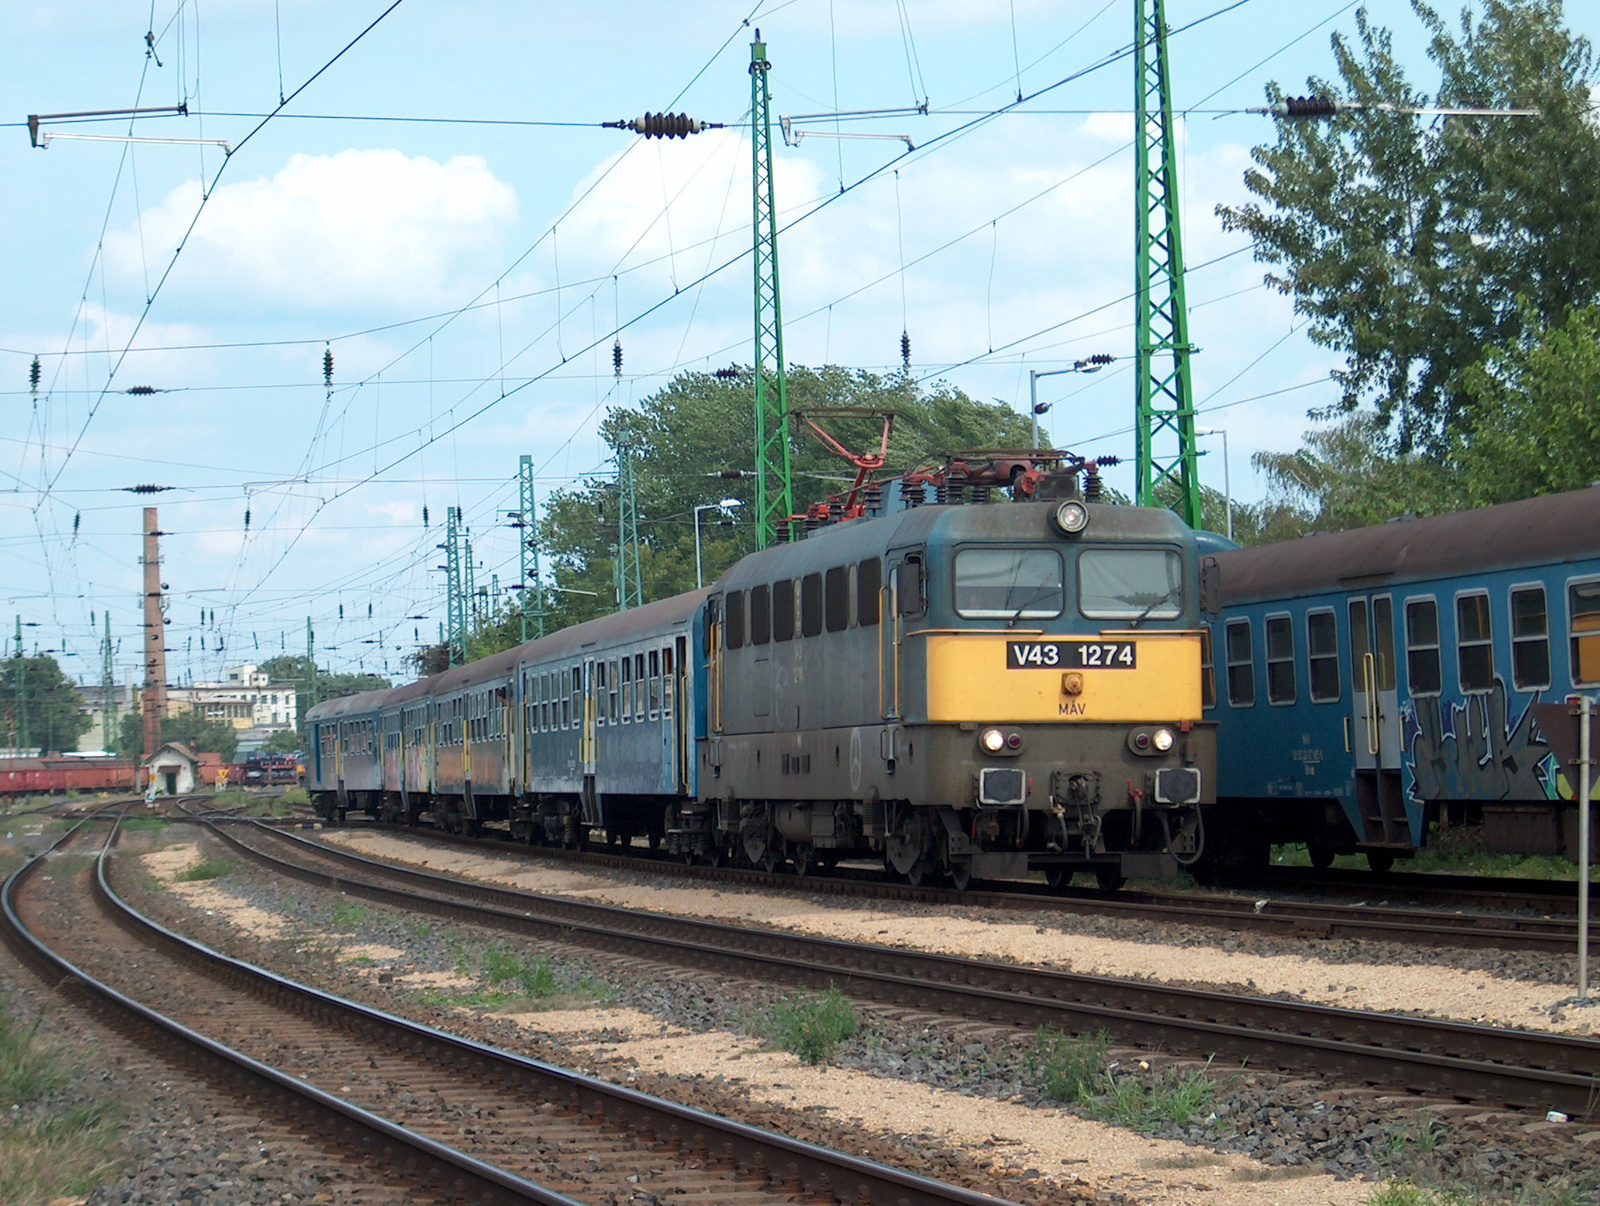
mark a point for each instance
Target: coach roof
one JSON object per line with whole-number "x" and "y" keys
{"x": 1553, "y": 529}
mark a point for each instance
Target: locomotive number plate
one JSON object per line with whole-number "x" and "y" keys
{"x": 1071, "y": 655}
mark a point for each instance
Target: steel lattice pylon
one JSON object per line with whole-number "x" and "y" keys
{"x": 774, "y": 483}
{"x": 528, "y": 517}
{"x": 455, "y": 596}
{"x": 108, "y": 691}
{"x": 1164, "y": 424}
{"x": 630, "y": 586}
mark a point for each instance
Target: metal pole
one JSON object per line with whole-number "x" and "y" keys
{"x": 1227, "y": 485}
{"x": 1585, "y": 774}
{"x": 699, "y": 578}
{"x": 1033, "y": 405}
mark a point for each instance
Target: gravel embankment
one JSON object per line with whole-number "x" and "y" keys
{"x": 1292, "y": 1128}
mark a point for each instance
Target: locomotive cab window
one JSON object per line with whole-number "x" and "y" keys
{"x": 733, "y": 619}
{"x": 1130, "y": 584}
{"x": 1280, "y": 660}
{"x": 1583, "y": 611}
{"x": 1008, "y": 584}
{"x": 1322, "y": 649}
{"x": 1530, "y": 639}
{"x": 760, "y": 615}
{"x": 1474, "y": 650}
{"x": 1240, "y": 651}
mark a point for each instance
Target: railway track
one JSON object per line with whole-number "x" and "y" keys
{"x": 1296, "y": 919}
{"x": 1521, "y": 1069}
{"x": 401, "y": 1095}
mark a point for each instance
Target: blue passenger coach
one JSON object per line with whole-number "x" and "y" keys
{"x": 1369, "y": 682}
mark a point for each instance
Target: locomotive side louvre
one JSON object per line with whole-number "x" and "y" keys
{"x": 1373, "y": 681}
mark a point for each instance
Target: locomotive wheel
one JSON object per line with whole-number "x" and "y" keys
{"x": 1109, "y": 878}
{"x": 802, "y": 857}
{"x": 1321, "y": 856}
{"x": 1058, "y": 877}
{"x": 907, "y": 846}
{"x": 771, "y": 860}
{"x": 1381, "y": 861}
{"x": 961, "y": 875}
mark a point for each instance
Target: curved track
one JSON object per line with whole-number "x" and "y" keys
{"x": 585, "y": 1139}
{"x": 1296, "y": 919}
{"x": 1451, "y": 1059}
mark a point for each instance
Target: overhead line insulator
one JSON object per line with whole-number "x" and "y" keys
{"x": 664, "y": 125}
{"x": 616, "y": 357}
{"x": 1301, "y": 108}
{"x": 327, "y": 367}
{"x": 34, "y": 375}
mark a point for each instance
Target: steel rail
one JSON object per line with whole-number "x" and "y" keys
{"x": 434, "y": 1166}
{"x": 791, "y": 1164}
{"x": 1524, "y": 1069}
{"x": 1292, "y": 919}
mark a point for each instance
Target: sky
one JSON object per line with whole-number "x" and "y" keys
{"x": 438, "y": 206}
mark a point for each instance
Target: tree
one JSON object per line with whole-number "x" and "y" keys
{"x": 1416, "y": 245}
{"x": 282, "y": 741}
{"x": 1536, "y": 415}
{"x": 294, "y": 670}
{"x": 692, "y": 444}
{"x": 188, "y": 727}
{"x": 40, "y": 701}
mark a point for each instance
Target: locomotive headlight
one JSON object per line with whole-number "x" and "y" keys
{"x": 992, "y": 740}
{"x": 1072, "y": 517}
{"x": 1162, "y": 739}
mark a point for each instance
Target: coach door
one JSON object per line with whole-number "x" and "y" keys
{"x": 1375, "y": 723}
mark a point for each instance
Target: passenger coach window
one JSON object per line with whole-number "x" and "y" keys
{"x": 1241, "y": 664}
{"x": 1530, "y": 639}
{"x": 1280, "y": 660}
{"x": 1130, "y": 584}
{"x": 1009, "y": 584}
{"x": 836, "y": 598}
{"x": 783, "y": 609}
{"x": 733, "y": 624}
{"x": 669, "y": 684}
{"x": 655, "y": 681}
{"x": 1474, "y": 653}
{"x": 1322, "y": 646}
{"x": 1583, "y": 611}
{"x": 638, "y": 686}
{"x": 760, "y": 615}
{"x": 811, "y": 605}
{"x": 1422, "y": 646}
{"x": 627, "y": 689}
{"x": 613, "y": 679}
{"x": 869, "y": 581}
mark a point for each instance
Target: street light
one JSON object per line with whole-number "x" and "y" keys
{"x": 725, "y": 505}
{"x": 1090, "y": 364}
{"x": 1227, "y": 490}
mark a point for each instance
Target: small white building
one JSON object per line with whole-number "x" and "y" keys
{"x": 174, "y": 768}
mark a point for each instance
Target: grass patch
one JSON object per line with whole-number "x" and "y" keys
{"x": 1403, "y": 1193}
{"x": 1458, "y": 851}
{"x": 1069, "y": 1068}
{"x": 348, "y": 916}
{"x": 144, "y": 824}
{"x": 811, "y": 1027}
{"x": 206, "y": 868}
{"x": 295, "y": 795}
{"x": 1169, "y": 1098}
{"x": 47, "y": 1152}
{"x": 508, "y": 979}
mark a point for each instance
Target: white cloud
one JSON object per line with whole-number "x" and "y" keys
{"x": 354, "y": 228}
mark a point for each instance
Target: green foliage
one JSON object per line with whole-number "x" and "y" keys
{"x": 1169, "y": 1098}
{"x": 188, "y": 727}
{"x": 297, "y": 671}
{"x": 1068, "y": 1067}
{"x": 30, "y": 1064}
{"x": 35, "y": 695}
{"x": 1416, "y": 245}
{"x": 144, "y": 824}
{"x": 684, "y": 438}
{"x": 347, "y": 915}
{"x": 1535, "y": 426}
{"x": 283, "y": 741}
{"x": 209, "y": 868}
{"x": 530, "y": 974}
{"x": 811, "y": 1027}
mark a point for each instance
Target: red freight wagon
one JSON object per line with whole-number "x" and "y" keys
{"x": 41, "y": 776}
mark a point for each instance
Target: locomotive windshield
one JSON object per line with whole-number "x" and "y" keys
{"x": 1009, "y": 584}
{"x": 1130, "y": 584}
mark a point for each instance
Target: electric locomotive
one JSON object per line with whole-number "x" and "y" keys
{"x": 962, "y": 690}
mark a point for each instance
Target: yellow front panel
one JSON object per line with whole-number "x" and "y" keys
{"x": 969, "y": 680}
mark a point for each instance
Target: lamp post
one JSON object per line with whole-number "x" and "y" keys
{"x": 1227, "y": 489}
{"x": 1090, "y": 364}
{"x": 725, "y": 505}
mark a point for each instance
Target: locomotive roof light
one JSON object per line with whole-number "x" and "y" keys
{"x": 992, "y": 740}
{"x": 1072, "y": 517}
